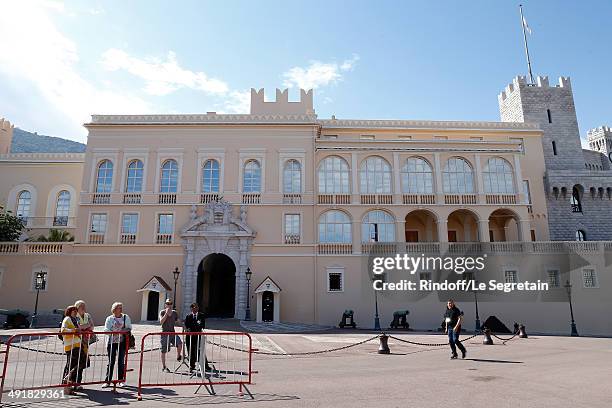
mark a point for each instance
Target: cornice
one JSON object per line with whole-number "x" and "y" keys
{"x": 424, "y": 124}
{"x": 196, "y": 119}
{"x": 43, "y": 157}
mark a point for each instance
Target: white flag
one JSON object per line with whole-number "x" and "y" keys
{"x": 526, "y": 26}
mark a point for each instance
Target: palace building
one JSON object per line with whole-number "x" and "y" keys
{"x": 280, "y": 208}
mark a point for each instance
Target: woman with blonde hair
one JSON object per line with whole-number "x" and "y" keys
{"x": 116, "y": 343}
{"x": 76, "y": 358}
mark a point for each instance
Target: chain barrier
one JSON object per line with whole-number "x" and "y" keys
{"x": 430, "y": 344}
{"x": 91, "y": 355}
{"x": 505, "y": 340}
{"x": 307, "y": 353}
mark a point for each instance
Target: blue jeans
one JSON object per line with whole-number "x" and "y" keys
{"x": 453, "y": 341}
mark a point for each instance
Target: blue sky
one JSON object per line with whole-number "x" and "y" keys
{"x": 61, "y": 61}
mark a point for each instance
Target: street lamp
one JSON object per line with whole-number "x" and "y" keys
{"x": 176, "y": 274}
{"x": 568, "y": 288}
{"x": 476, "y": 304}
{"x": 247, "y": 313}
{"x": 38, "y": 285}
{"x": 376, "y": 318}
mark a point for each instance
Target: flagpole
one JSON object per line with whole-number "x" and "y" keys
{"x": 526, "y": 46}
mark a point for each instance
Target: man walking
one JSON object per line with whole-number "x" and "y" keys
{"x": 453, "y": 319}
{"x": 194, "y": 322}
{"x": 168, "y": 318}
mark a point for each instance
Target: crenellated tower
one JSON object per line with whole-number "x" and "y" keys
{"x": 600, "y": 140}
{"x": 282, "y": 105}
{"x": 6, "y": 136}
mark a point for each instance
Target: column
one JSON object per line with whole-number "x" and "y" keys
{"x": 354, "y": 179}
{"x": 438, "y": 183}
{"x": 518, "y": 176}
{"x": 524, "y": 227}
{"x": 397, "y": 188}
{"x": 442, "y": 226}
{"x": 356, "y": 236}
{"x": 479, "y": 182}
{"x": 483, "y": 231}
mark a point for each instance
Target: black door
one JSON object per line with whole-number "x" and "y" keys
{"x": 267, "y": 306}
{"x": 153, "y": 305}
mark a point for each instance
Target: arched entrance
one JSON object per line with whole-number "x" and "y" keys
{"x": 462, "y": 226}
{"x": 216, "y": 286}
{"x": 421, "y": 226}
{"x": 504, "y": 226}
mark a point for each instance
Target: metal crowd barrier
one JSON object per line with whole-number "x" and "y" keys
{"x": 36, "y": 361}
{"x": 217, "y": 358}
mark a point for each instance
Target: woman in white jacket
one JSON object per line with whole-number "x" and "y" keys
{"x": 116, "y": 345}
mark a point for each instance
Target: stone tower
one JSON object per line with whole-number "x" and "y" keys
{"x": 6, "y": 136}
{"x": 552, "y": 108}
{"x": 600, "y": 140}
{"x": 578, "y": 184}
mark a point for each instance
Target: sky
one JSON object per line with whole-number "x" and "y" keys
{"x": 61, "y": 61}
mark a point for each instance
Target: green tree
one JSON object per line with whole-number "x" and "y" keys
{"x": 56, "y": 235}
{"x": 10, "y": 226}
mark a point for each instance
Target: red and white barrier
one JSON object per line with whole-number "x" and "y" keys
{"x": 217, "y": 358}
{"x": 34, "y": 361}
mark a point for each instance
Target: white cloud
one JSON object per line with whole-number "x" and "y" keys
{"x": 237, "y": 102}
{"x": 162, "y": 76}
{"x": 318, "y": 74}
{"x": 38, "y": 53}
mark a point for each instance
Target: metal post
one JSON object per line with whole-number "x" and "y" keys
{"x": 40, "y": 276}
{"x": 568, "y": 287}
{"x": 526, "y": 46}
{"x": 376, "y": 318}
{"x": 176, "y": 274}
{"x": 477, "y": 316}
{"x": 247, "y": 313}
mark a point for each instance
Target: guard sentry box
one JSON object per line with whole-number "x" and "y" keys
{"x": 400, "y": 319}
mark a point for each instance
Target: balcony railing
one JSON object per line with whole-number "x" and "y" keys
{"x": 44, "y": 248}
{"x": 9, "y": 247}
{"x": 334, "y": 199}
{"x": 127, "y": 239}
{"x": 292, "y": 239}
{"x": 208, "y": 197}
{"x": 500, "y": 199}
{"x": 292, "y": 198}
{"x": 96, "y": 238}
{"x": 132, "y": 198}
{"x": 167, "y": 198}
{"x": 418, "y": 199}
{"x": 378, "y": 247}
{"x": 163, "y": 239}
{"x": 101, "y": 198}
{"x": 460, "y": 199}
{"x": 251, "y": 198}
{"x": 335, "y": 248}
{"x": 376, "y": 199}
{"x": 60, "y": 221}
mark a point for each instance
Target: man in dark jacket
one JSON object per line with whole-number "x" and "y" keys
{"x": 453, "y": 319}
{"x": 194, "y": 322}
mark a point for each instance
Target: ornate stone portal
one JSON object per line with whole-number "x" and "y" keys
{"x": 217, "y": 231}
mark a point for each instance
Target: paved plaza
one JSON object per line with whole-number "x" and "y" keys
{"x": 541, "y": 371}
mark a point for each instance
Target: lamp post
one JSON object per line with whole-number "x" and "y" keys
{"x": 376, "y": 318}
{"x": 568, "y": 288}
{"x": 476, "y": 304}
{"x": 38, "y": 285}
{"x": 247, "y": 313}
{"x": 176, "y": 274}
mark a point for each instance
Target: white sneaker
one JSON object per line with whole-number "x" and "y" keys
{"x": 121, "y": 385}
{"x": 107, "y": 385}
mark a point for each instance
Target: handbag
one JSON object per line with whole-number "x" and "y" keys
{"x": 130, "y": 336}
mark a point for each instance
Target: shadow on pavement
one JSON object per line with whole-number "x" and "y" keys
{"x": 219, "y": 399}
{"x": 484, "y": 360}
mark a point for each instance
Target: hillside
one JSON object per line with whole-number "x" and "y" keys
{"x": 27, "y": 142}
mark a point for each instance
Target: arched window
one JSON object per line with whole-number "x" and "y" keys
{"x": 169, "y": 177}
{"x": 292, "y": 177}
{"x": 104, "y": 178}
{"x": 378, "y": 226}
{"x": 457, "y": 177}
{"x": 498, "y": 177}
{"x": 210, "y": 176}
{"x": 575, "y": 200}
{"x": 251, "y": 179}
{"x": 334, "y": 227}
{"x": 24, "y": 203}
{"x": 417, "y": 176}
{"x": 62, "y": 209}
{"x": 333, "y": 176}
{"x": 580, "y": 235}
{"x": 375, "y": 176}
{"x": 134, "y": 177}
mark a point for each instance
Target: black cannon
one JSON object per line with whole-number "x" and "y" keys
{"x": 347, "y": 319}
{"x": 16, "y": 319}
{"x": 399, "y": 319}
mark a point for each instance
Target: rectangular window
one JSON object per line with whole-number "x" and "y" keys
{"x": 165, "y": 224}
{"x": 425, "y": 276}
{"x": 549, "y": 115}
{"x": 553, "y": 278}
{"x": 292, "y": 228}
{"x": 589, "y": 278}
{"x": 43, "y": 285}
{"x": 335, "y": 282}
{"x": 526, "y": 192}
{"x": 491, "y": 236}
{"x": 554, "y": 147}
{"x": 468, "y": 276}
{"x": 98, "y": 224}
{"x": 510, "y": 276}
{"x": 533, "y": 236}
{"x": 129, "y": 224}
